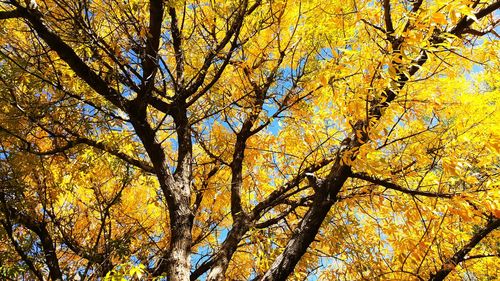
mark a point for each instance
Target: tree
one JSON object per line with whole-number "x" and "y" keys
{"x": 249, "y": 139}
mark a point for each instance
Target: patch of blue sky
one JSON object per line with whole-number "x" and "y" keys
{"x": 326, "y": 54}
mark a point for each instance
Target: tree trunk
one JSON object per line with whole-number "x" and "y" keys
{"x": 181, "y": 221}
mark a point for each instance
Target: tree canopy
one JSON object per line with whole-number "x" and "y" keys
{"x": 249, "y": 140}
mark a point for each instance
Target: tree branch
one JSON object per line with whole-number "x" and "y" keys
{"x": 40, "y": 228}
{"x": 177, "y": 44}
{"x": 7, "y": 225}
{"x": 464, "y": 23}
{"x": 9, "y": 14}
{"x": 461, "y": 254}
{"x": 324, "y": 198}
{"x": 123, "y": 156}
{"x": 81, "y": 140}
{"x": 150, "y": 59}
{"x": 197, "y": 81}
{"x": 387, "y": 16}
{"x": 393, "y": 186}
{"x": 67, "y": 54}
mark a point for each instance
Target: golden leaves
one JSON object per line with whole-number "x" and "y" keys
{"x": 438, "y": 18}
{"x": 308, "y": 70}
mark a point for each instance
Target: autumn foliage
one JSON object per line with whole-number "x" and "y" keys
{"x": 249, "y": 140}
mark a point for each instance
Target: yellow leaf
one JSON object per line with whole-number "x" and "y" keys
{"x": 323, "y": 80}
{"x": 438, "y": 18}
{"x": 496, "y": 213}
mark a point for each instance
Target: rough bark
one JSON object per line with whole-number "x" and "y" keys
{"x": 176, "y": 261}
{"x": 179, "y": 260}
